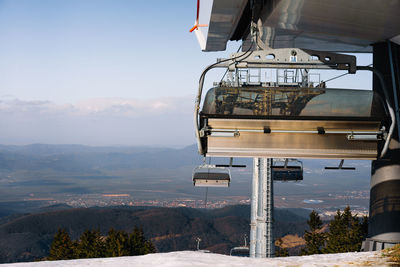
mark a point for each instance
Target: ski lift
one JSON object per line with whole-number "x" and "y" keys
{"x": 288, "y": 121}
{"x": 207, "y": 175}
{"x": 198, "y": 240}
{"x": 285, "y": 172}
{"x": 291, "y": 122}
{"x": 242, "y": 251}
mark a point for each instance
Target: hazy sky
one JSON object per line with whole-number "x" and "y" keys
{"x": 104, "y": 72}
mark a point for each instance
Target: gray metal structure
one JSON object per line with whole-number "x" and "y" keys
{"x": 341, "y": 138}
{"x": 262, "y": 206}
{"x": 261, "y": 237}
{"x": 335, "y": 26}
{"x": 328, "y": 25}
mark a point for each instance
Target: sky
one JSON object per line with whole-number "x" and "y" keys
{"x": 99, "y": 72}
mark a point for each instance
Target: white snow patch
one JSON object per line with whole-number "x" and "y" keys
{"x": 193, "y": 259}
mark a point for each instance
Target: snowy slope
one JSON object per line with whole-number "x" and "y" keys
{"x": 193, "y": 259}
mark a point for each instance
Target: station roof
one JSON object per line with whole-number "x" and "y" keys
{"x": 327, "y": 25}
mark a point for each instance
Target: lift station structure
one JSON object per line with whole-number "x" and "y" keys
{"x": 286, "y": 120}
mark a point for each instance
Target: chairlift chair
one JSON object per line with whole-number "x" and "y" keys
{"x": 240, "y": 252}
{"x": 211, "y": 176}
{"x": 268, "y": 120}
{"x": 286, "y": 172}
{"x": 280, "y": 122}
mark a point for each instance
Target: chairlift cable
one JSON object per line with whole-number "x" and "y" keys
{"x": 205, "y": 201}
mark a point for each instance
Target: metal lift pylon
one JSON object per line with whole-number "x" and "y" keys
{"x": 262, "y": 205}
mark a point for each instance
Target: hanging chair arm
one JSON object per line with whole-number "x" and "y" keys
{"x": 219, "y": 64}
{"x": 388, "y": 105}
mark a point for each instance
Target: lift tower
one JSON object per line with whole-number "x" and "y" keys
{"x": 384, "y": 208}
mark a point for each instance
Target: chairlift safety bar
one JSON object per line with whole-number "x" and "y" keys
{"x": 209, "y": 166}
{"x": 340, "y": 167}
{"x": 292, "y": 131}
{"x": 351, "y": 135}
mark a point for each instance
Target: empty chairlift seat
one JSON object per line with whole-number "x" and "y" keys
{"x": 288, "y": 170}
{"x": 211, "y": 176}
{"x": 240, "y": 252}
{"x": 290, "y": 122}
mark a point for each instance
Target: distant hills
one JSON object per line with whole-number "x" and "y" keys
{"x": 28, "y": 237}
{"x": 31, "y": 174}
{"x": 49, "y": 171}
{"x": 40, "y": 170}
{"x": 80, "y": 157}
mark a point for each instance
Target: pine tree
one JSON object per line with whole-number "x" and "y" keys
{"x": 315, "y": 222}
{"x": 314, "y": 238}
{"x": 346, "y": 232}
{"x": 62, "y": 248}
{"x": 364, "y": 226}
{"x": 336, "y": 234}
{"x": 90, "y": 245}
{"x": 117, "y": 244}
{"x": 149, "y": 247}
{"x": 138, "y": 245}
{"x": 136, "y": 242}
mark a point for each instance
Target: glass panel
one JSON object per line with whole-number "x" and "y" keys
{"x": 280, "y": 101}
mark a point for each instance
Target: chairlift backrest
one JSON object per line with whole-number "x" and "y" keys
{"x": 281, "y": 122}
{"x": 211, "y": 176}
{"x": 287, "y": 172}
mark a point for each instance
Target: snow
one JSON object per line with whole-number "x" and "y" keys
{"x": 194, "y": 259}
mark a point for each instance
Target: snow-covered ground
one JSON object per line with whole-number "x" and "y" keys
{"x": 193, "y": 259}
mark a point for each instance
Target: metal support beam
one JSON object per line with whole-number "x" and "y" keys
{"x": 261, "y": 237}
{"x": 290, "y": 58}
{"x": 261, "y": 215}
{"x": 253, "y": 213}
{"x": 267, "y": 162}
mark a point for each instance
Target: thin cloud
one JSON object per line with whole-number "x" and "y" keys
{"x": 101, "y": 121}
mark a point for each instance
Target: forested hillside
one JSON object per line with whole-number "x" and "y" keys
{"x": 28, "y": 237}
